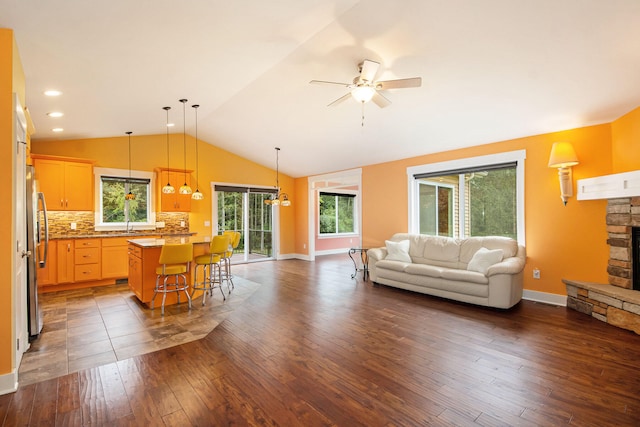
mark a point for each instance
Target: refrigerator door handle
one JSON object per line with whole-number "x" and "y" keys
{"x": 43, "y": 262}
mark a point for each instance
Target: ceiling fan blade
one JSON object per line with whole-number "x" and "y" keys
{"x": 322, "y": 82}
{"x": 369, "y": 70}
{"x": 399, "y": 83}
{"x": 341, "y": 99}
{"x": 380, "y": 100}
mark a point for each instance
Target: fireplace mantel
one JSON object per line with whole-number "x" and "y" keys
{"x": 614, "y": 186}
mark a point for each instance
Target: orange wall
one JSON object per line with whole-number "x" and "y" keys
{"x": 215, "y": 165}
{"x": 626, "y": 142}
{"x": 562, "y": 241}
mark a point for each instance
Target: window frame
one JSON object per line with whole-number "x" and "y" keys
{"x": 337, "y": 192}
{"x": 99, "y": 225}
{"x": 517, "y": 156}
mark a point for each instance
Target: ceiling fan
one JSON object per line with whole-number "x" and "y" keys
{"x": 365, "y": 89}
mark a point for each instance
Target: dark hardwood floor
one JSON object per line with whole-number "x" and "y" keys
{"x": 314, "y": 347}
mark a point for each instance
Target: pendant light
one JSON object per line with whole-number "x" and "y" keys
{"x": 197, "y": 195}
{"x": 185, "y": 189}
{"x": 278, "y": 198}
{"x": 168, "y": 189}
{"x": 130, "y": 195}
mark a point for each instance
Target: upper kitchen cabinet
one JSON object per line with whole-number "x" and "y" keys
{"x": 67, "y": 183}
{"x": 174, "y": 202}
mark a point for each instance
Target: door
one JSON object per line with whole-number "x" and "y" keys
{"x": 243, "y": 209}
{"x": 21, "y": 255}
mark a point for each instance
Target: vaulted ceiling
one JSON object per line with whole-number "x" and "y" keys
{"x": 491, "y": 70}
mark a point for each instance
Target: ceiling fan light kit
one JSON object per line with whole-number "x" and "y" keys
{"x": 364, "y": 88}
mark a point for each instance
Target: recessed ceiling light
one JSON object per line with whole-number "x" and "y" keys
{"x": 170, "y": 125}
{"x": 55, "y": 114}
{"x": 52, "y": 92}
{"x": 57, "y": 129}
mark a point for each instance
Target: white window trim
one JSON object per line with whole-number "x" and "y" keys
{"x": 122, "y": 226}
{"x": 356, "y": 226}
{"x": 511, "y": 156}
{"x": 314, "y": 183}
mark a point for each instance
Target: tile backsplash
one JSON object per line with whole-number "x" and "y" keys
{"x": 60, "y": 223}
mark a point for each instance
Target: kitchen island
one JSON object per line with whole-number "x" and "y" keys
{"x": 144, "y": 255}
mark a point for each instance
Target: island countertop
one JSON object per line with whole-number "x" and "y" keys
{"x": 152, "y": 242}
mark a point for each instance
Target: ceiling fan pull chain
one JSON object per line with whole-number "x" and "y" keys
{"x": 362, "y": 124}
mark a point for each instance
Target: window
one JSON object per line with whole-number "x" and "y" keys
{"x": 482, "y": 196}
{"x": 115, "y": 208}
{"x": 336, "y": 213}
{"x": 113, "y": 211}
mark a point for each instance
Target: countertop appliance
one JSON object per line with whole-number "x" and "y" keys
{"x": 38, "y": 246}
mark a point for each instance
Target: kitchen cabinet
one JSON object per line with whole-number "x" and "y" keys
{"x": 87, "y": 260}
{"x": 144, "y": 255}
{"x": 115, "y": 258}
{"x": 65, "y": 262}
{"x": 48, "y": 275}
{"x": 175, "y": 202}
{"x": 67, "y": 184}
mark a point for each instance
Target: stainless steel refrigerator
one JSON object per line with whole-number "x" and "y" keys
{"x": 38, "y": 247}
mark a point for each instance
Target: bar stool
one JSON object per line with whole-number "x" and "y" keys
{"x": 234, "y": 238}
{"x": 217, "y": 248}
{"x": 174, "y": 260}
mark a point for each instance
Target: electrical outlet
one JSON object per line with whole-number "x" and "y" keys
{"x": 304, "y": 246}
{"x": 207, "y": 223}
{"x": 160, "y": 224}
{"x": 182, "y": 223}
{"x": 536, "y": 273}
{"x": 73, "y": 225}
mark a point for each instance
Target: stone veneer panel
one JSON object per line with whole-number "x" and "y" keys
{"x": 622, "y": 215}
{"x": 610, "y": 304}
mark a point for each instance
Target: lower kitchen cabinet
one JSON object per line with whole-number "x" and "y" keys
{"x": 65, "y": 262}
{"x": 115, "y": 258}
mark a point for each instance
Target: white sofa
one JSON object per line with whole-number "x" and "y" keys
{"x": 446, "y": 267}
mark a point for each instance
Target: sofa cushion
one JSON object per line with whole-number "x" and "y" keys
{"x": 464, "y": 276}
{"x": 483, "y": 259}
{"x": 392, "y": 265}
{"x": 398, "y": 251}
{"x": 435, "y": 250}
{"x": 424, "y": 270}
{"x": 470, "y": 246}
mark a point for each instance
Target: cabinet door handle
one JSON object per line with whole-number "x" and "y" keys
{"x": 61, "y": 203}
{"x": 68, "y": 247}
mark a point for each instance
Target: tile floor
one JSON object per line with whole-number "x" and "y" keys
{"x": 91, "y": 327}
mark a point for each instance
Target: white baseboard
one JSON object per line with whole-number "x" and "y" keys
{"x": 294, "y": 256}
{"x": 344, "y": 251}
{"x": 547, "y": 298}
{"x": 9, "y": 382}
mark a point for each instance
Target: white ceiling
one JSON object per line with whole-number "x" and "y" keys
{"x": 491, "y": 69}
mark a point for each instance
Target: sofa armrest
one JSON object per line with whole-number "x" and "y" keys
{"x": 373, "y": 256}
{"x": 376, "y": 254}
{"x": 512, "y": 265}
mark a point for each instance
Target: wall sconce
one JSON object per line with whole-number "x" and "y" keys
{"x": 563, "y": 156}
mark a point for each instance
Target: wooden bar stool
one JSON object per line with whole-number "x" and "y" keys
{"x": 211, "y": 262}
{"x": 175, "y": 260}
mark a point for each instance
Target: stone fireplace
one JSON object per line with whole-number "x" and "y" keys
{"x": 623, "y": 223}
{"x": 616, "y": 303}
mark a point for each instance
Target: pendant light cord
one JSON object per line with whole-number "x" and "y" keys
{"x": 197, "y": 158}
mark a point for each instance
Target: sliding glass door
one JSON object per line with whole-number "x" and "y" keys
{"x": 243, "y": 209}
